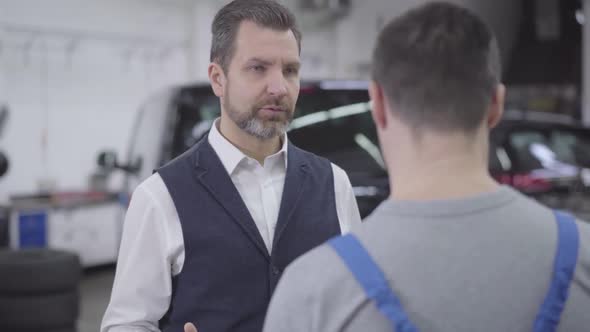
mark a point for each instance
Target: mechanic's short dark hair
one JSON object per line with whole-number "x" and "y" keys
{"x": 439, "y": 66}
{"x": 265, "y": 13}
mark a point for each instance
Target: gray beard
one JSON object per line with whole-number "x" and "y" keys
{"x": 256, "y": 127}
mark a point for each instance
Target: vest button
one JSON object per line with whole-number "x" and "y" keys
{"x": 275, "y": 271}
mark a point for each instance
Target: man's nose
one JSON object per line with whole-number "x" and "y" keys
{"x": 277, "y": 85}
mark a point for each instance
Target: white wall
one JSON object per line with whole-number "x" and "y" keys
{"x": 73, "y": 73}
{"x": 200, "y": 37}
{"x": 344, "y": 49}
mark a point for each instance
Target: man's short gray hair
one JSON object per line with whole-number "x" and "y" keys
{"x": 265, "y": 13}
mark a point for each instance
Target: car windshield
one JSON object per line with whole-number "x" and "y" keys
{"x": 333, "y": 123}
{"x": 555, "y": 148}
{"x": 336, "y": 123}
{"x": 345, "y": 135}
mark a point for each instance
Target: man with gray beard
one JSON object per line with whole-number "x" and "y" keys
{"x": 207, "y": 237}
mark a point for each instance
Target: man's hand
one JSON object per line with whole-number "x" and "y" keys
{"x": 189, "y": 327}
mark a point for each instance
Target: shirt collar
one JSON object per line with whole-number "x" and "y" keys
{"x": 231, "y": 156}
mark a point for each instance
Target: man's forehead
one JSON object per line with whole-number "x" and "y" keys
{"x": 254, "y": 41}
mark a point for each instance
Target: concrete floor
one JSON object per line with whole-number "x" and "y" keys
{"x": 95, "y": 292}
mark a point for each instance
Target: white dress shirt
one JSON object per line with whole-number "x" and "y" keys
{"x": 152, "y": 247}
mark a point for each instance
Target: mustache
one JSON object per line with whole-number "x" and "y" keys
{"x": 283, "y": 105}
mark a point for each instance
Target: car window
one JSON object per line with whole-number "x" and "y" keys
{"x": 549, "y": 148}
{"x": 149, "y": 133}
{"x": 347, "y": 139}
{"x": 196, "y": 110}
{"x": 523, "y": 142}
{"x": 332, "y": 123}
{"x": 499, "y": 161}
{"x": 571, "y": 147}
{"x": 337, "y": 125}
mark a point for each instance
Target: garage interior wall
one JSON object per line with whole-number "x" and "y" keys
{"x": 342, "y": 49}
{"x": 73, "y": 74}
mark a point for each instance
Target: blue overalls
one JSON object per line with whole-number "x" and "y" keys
{"x": 373, "y": 281}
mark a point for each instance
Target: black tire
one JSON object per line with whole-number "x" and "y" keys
{"x": 35, "y": 271}
{"x": 41, "y": 312}
{"x": 4, "y": 164}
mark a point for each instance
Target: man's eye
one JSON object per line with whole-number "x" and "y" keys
{"x": 258, "y": 68}
{"x": 291, "y": 71}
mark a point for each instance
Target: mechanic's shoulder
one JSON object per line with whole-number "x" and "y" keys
{"x": 584, "y": 237}
{"x": 318, "y": 269}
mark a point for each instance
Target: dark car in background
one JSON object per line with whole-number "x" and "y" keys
{"x": 3, "y": 157}
{"x": 544, "y": 157}
{"x": 4, "y": 211}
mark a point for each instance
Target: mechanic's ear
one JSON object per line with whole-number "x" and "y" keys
{"x": 378, "y": 105}
{"x": 496, "y": 108}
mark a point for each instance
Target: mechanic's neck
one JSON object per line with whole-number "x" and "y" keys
{"x": 251, "y": 146}
{"x": 438, "y": 168}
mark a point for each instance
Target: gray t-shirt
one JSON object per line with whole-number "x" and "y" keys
{"x": 477, "y": 264}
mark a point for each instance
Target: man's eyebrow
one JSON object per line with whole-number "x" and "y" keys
{"x": 295, "y": 64}
{"x": 260, "y": 61}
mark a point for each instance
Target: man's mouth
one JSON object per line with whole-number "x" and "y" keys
{"x": 273, "y": 109}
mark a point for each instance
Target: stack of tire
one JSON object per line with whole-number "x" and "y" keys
{"x": 4, "y": 215}
{"x": 39, "y": 290}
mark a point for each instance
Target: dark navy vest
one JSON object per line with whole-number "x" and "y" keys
{"x": 228, "y": 275}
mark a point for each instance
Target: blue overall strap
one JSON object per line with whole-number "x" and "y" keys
{"x": 563, "y": 271}
{"x": 373, "y": 281}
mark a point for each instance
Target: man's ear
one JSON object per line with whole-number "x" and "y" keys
{"x": 217, "y": 78}
{"x": 496, "y": 108}
{"x": 378, "y": 105}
